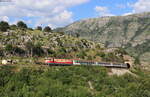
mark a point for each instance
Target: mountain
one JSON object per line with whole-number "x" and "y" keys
{"x": 131, "y": 32}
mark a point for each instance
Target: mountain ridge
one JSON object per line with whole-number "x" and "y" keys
{"x": 129, "y": 31}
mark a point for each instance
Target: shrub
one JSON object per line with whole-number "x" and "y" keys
{"x": 101, "y": 54}
{"x": 1, "y": 52}
{"x": 110, "y": 57}
{"x": 9, "y": 48}
{"x": 81, "y": 54}
{"x": 137, "y": 61}
{"x": 121, "y": 51}
{"x": 61, "y": 53}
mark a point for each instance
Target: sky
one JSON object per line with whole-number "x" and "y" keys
{"x": 59, "y": 13}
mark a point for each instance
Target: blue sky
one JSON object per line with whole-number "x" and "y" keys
{"x": 116, "y": 7}
{"x": 58, "y": 13}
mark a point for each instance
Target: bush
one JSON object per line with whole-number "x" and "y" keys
{"x": 101, "y": 54}
{"x": 1, "y": 52}
{"x": 111, "y": 57}
{"x": 121, "y": 51}
{"x": 9, "y": 48}
{"x": 137, "y": 61}
{"x": 61, "y": 53}
{"x": 81, "y": 54}
{"x": 4, "y": 26}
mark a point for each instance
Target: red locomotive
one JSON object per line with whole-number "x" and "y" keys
{"x": 52, "y": 61}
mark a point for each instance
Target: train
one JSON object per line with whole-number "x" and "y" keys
{"x": 75, "y": 62}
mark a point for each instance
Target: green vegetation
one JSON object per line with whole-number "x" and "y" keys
{"x": 4, "y": 26}
{"x": 39, "y": 28}
{"x": 70, "y": 82}
{"x": 22, "y": 25}
{"x": 13, "y": 27}
{"x": 47, "y": 29}
{"x": 26, "y": 48}
{"x": 111, "y": 57}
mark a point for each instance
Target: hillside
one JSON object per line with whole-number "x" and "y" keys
{"x": 27, "y": 44}
{"x": 131, "y": 32}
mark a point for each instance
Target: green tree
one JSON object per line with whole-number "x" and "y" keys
{"x": 37, "y": 49}
{"x": 29, "y": 46}
{"x": 4, "y": 26}
{"x": 21, "y": 24}
{"x": 39, "y": 28}
{"x": 30, "y": 29}
{"x": 47, "y": 29}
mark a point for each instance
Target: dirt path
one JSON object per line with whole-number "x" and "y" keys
{"x": 119, "y": 72}
{"x": 90, "y": 85}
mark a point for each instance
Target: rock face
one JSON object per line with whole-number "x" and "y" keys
{"x": 131, "y": 32}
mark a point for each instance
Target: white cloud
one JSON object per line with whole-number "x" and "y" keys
{"x": 125, "y": 14}
{"x": 141, "y": 6}
{"x": 43, "y": 11}
{"x": 63, "y": 18}
{"x": 103, "y": 11}
{"x": 4, "y": 18}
